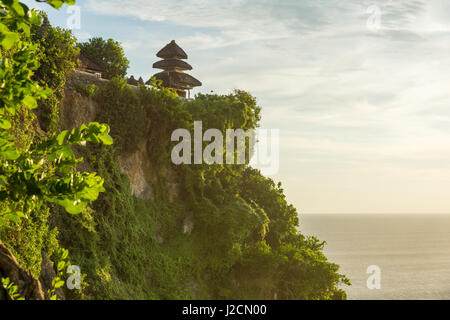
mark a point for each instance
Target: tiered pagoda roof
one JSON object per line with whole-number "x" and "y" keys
{"x": 173, "y": 65}
{"x": 172, "y": 50}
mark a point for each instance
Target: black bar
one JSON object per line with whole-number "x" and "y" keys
{"x": 249, "y": 309}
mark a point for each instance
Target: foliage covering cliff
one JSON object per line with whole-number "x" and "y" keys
{"x": 205, "y": 231}
{"x": 160, "y": 231}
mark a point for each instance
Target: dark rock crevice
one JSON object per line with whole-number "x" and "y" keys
{"x": 28, "y": 287}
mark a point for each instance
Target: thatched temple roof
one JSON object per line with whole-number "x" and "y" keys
{"x": 177, "y": 80}
{"x": 132, "y": 81}
{"x": 172, "y": 51}
{"x": 90, "y": 65}
{"x": 171, "y": 64}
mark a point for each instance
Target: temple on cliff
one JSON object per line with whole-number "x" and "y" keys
{"x": 173, "y": 66}
{"x": 90, "y": 66}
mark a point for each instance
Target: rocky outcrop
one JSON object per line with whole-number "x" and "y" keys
{"x": 138, "y": 168}
{"x": 28, "y": 286}
{"x": 46, "y": 277}
{"x": 77, "y": 109}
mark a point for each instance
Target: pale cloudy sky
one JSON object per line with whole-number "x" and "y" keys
{"x": 358, "y": 88}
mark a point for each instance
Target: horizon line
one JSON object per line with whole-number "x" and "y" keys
{"x": 386, "y": 213}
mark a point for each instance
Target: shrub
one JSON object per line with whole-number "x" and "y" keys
{"x": 57, "y": 56}
{"x": 88, "y": 90}
{"x": 121, "y": 108}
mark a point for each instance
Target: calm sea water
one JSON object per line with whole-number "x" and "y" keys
{"x": 412, "y": 251}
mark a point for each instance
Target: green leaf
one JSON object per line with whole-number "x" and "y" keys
{"x": 18, "y": 9}
{"x": 106, "y": 139}
{"x": 62, "y": 137}
{"x": 5, "y": 123}
{"x": 34, "y": 18}
{"x": 25, "y": 28}
{"x": 8, "y": 3}
{"x": 30, "y": 102}
{"x": 25, "y": 7}
{"x": 10, "y": 154}
{"x": 65, "y": 254}
{"x": 3, "y": 28}
{"x": 90, "y": 193}
{"x": 8, "y": 39}
{"x": 12, "y": 217}
{"x": 72, "y": 206}
{"x": 55, "y": 3}
{"x": 59, "y": 284}
{"x": 61, "y": 265}
{"x": 5, "y": 281}
{"x": 21, "y": 215}
{"x": 67, "y": 152}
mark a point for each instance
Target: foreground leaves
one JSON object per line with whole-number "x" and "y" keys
{"x": 42, "y": 171}
{"x": 11, "y": 289}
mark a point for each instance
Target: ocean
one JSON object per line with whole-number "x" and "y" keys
{"x": 411, "y": 251}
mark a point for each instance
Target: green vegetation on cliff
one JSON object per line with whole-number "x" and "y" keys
{"x": 36, "y": 170}
{"x": 244, "y": 241}
{"x": 108, "y": 54}
{"x": 203, "y": 231}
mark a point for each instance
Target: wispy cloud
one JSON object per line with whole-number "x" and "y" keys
{"x": 218, "y": 13}
{"x": 353, "y": 104}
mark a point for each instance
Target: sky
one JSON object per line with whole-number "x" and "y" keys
{"x": 358, "y": 89}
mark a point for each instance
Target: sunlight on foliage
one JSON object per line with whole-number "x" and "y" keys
{"x": 44, "y": 170}
{"x": 11, "y": 289}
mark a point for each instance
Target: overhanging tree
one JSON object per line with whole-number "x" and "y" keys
{"x": 107, "y": 53}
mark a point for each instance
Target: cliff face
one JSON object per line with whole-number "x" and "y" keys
{"x": 138, "y": 168}
{"x": 77, "y": 109}
{"x": 161, "y": 231}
